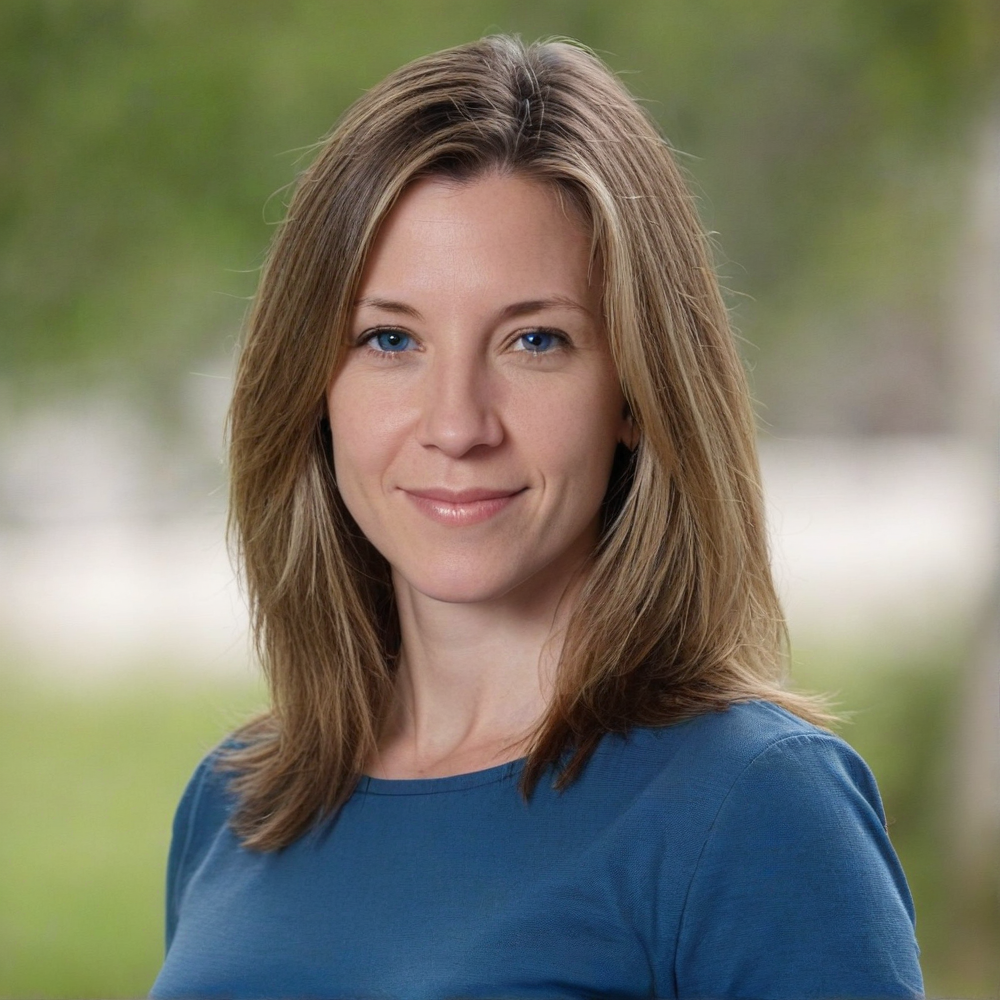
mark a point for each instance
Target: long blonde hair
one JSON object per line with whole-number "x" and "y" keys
{"x": 679, "y": 615}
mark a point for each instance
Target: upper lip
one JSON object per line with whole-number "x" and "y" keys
{"x": 461, "y": 496}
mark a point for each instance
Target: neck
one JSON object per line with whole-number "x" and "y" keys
{"x": 474, "y": 680}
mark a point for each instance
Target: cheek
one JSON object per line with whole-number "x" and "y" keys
{"x": 363, "y": 436}
{"x": 575, "y": 435}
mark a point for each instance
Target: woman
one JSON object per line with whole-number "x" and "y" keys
{"x": 497, "y": 501}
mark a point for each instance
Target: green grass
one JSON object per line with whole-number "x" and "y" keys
{"x": 89, "y": 779}
{"x": 89, "y": 782}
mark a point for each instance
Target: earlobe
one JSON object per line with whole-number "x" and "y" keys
{"x": 631, "y": 439}
{"x": 630, "y": 435}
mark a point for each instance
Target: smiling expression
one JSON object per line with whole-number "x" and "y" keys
{"x": 476, "y": 412}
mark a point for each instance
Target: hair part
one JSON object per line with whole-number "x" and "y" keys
{"x": 678, "y": 615}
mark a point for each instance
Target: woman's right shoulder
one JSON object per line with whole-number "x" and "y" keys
{"x": 202, "y": 816}
{"x": 204, "y": 808}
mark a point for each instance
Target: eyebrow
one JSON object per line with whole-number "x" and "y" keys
{"x": 387, "y": 305}
{"x": 512, "y": 311}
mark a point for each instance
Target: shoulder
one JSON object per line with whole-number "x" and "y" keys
{"x": 776, "y": 780}
{"x": 748, "y": 727}
{"x": 201, "y": 816}
{"x": 723, "y": 787}
{"x": 779, "y": 784}
{"x": 207, "y": 800}
{"x": 794, "y": 880}
{"x": 756, "y": 742}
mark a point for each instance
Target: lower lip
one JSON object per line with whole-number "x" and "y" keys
{"x": 460, "y": 514}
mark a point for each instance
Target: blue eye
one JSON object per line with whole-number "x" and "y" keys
{"x": 539, "y": 341}
{"x": 390, "y": 341}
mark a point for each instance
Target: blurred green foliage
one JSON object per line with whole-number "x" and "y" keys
{"x": 91, "y": 777}
{"x": 146, "y": 147}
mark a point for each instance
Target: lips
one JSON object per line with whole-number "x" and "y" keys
{"x": 461, "y": 496}
{"x": 461, "y": 507}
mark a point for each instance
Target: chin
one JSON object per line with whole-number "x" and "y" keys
{"x": 455, "y": 583}
{"x": 458, "y": 589}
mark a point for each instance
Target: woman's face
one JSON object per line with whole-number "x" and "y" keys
{"x": 476, "y": 413}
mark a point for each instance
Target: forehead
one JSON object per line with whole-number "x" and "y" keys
{"x": 495, "y": 232}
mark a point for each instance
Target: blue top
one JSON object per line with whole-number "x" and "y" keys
{"x": 738, "y": 854}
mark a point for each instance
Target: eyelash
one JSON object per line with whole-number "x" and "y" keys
{"x": 561, "y": 341}
{"x": 366, "y": 340}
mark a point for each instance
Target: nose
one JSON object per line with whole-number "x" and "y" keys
{"x": 459, "y": 411}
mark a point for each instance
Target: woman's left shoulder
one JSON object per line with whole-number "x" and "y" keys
{"x": 760, "y": 744}
{"x": 774, "y": 773}
{"x": 794, "y": 869}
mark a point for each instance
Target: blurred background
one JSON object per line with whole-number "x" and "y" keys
{"x": 846, "y": 155}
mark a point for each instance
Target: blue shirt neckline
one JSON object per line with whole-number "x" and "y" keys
{"x": 369, "y": 785}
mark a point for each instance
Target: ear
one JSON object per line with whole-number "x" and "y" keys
{"x": 629, "y": 435}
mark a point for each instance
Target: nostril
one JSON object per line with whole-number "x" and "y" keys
{"x": 459, "y": 414}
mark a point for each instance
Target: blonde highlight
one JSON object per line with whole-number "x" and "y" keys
{"x": 678, "y": 615}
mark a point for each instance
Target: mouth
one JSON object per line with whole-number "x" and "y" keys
{"x": 462, "y": 507}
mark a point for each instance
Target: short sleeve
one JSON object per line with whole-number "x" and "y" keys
{"x": 798, "y": 892}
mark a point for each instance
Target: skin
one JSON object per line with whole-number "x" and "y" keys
{"x": 477, "y": 361}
